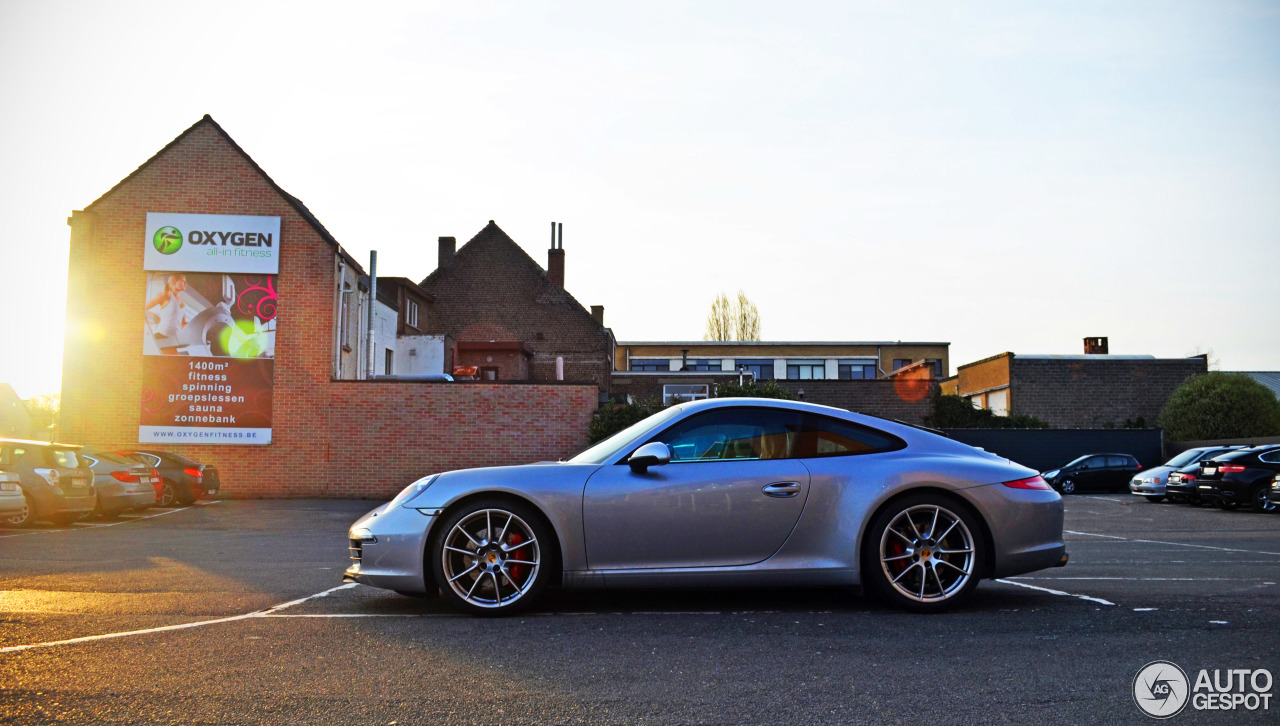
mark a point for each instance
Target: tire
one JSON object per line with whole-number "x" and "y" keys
{"x": 1154, "y": 500}
{"x": 1225, "y": 505}
{"x": 1260, "y": 501}
{"x": 501, "y": 530}
{"x": 28, "y": 515}
{"x": 1194, "y": 500}
{"x": 1067, "y": 487}
{"x": 900, "y": 559}
{"x": 168, "y": 495}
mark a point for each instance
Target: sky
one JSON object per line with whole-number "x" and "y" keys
{"x": 997, "y": 175}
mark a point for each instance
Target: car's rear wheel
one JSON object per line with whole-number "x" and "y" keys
{"x": 491, "y": 557}
{"x": 168, "y": 494}
{"x": 924, "y": 553}
{"x": 1260, "y": 500}
{"x": 27, "y": 516}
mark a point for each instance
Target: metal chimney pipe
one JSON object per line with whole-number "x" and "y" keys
{"x": 373, "y": 297}
{"x": 560, "y": 243}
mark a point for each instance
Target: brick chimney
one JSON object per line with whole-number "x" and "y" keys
{"x": 597, "y": 314}
{"x": 448, "y": 245}
{"x": 555, "y": 267}
{"x": 1095, "y": 346}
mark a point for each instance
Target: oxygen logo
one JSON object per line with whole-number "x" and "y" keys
{"x": 1160, "y": 689}
{"x": 167, "y": 240}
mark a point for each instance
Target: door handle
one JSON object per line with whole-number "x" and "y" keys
{"x": 782, "y": 489}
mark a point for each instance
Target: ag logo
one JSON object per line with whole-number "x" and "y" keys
{"x": 167, "y": 240}
{"x": 1161, "y": 689}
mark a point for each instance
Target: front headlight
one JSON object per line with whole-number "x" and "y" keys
{"x": 412, "y": 491}
{"x": 1050, "y": 474}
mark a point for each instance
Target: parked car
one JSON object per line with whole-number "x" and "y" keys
{"x": 182, "y": 480}
{"x": 1181, "y": 484}
{"x": 1096, "y": 472}
{"x": 1240, "y": 477}
{"x": 119, "y": 482}
{"x": 718, "y": 492}
{"x": 1153, "y": 483}
{"x": 12, "y": 503}
{"x": 1274, "y": 494}
{"x": 57, "y": 486}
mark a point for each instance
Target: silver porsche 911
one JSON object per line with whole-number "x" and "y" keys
{"x": 730, "y": 492}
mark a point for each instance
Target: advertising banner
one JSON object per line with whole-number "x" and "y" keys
{"x": 210, "y": 328}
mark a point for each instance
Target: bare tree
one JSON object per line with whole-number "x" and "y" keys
{"x": 733, "y": 320}
{"x": 720, "y": 321}
{"x": 748, "y": 318}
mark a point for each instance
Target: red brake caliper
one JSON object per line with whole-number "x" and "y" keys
{"x": 896, "y": 548}
{"x": 517, "y": 571}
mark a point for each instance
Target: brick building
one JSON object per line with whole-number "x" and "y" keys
{"x": 501, "y": 312}
{"x": 330, "y": 436}
{"x": 1075, "y": 391}
{"x": 15, "y": 419}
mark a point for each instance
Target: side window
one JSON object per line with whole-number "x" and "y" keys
{"x": 1271, "y": 457}
{"x": 1094, "y": 462}
{"x": 733, "y": 434}
{"x": 1119, "y": 462}
{"x": 823, "y": 436}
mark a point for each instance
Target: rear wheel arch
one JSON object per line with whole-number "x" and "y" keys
{"x": 984, "y": 530}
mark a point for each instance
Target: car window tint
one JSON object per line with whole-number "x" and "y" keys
{"x": 1271, "y": 457}
{"x": 729, "y": 434}
{"x": 1119, "y": 461}
{"x": 1094, "y": 462}
{"x": 825, "y": 436}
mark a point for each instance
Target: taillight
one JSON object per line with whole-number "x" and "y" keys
{"x": 194, "y": 472}
{"x": 155, "y": 475}
{"x": 1231, "y": 468}
{"x": 123, "y": 476}
{"x": 1188, "y": 477}
{"x": 1035, "y": 482}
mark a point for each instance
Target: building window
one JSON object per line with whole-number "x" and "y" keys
{"x": 936, "y": 365}
{"x": 901, "y": 363}
{"x": 998, "y": 402}
{"x": 762, "y": 369}
{"x": 411, "y": 314}
{"x": 488, "y": 374}
{"x": 343, "y": 334}
{"x": 856, "y": 369}
{"x": 702, "y": 366}
{"x": 805, "y": 369}
{"x": 386, "y": 361}
{"x": 685, "y": 392}
{"x": 650, "y": 366}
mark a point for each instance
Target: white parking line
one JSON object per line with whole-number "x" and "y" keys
{"x": 1174, "y": 544}
{"x": 1098, "y": 600}
{"x": 183, "y": 626}
{"x": 96, "y": 525}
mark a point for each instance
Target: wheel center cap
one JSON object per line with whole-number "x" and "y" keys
{"x": 925, "y": 553}
{"x": 493, "y": 557}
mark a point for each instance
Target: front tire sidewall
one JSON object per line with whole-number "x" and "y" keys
{"x": 546, "y": 544}
{"x": 877, "y": 582}
{"x": 1067, "y": 487}
{"x": 28, "y": 516}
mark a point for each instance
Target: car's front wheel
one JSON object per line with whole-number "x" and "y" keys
{"x": 491, "y": 557}
{"x": 924, "y": 553}
{"x": 1260, "y": 500}
{"x": 1067, "y": 487}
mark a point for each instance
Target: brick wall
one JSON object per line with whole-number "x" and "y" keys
{"x": 386, "y": 435}
{"x": 1076, "y": 393}
{"x": 328, "y": 437}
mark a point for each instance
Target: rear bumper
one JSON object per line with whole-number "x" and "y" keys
{"x": 116, "y": 498}
{"x": 1185, "y": 490}
{"x": 50, "y": 503}
{"x": 1025, "y": 526}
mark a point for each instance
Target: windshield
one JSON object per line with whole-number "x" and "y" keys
{"x": 604, "y": 450}
{"x": 1185, "y": 458}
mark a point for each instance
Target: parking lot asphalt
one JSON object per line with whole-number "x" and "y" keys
{"x": 233, "y": 612}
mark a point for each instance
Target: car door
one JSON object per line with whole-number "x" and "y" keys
{"x": 730, "y": 496}
{"x": 1119, "y": 470}
{"x": 1091, "y": 473}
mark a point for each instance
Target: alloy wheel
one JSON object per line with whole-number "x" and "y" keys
{"x": 491, "y": 558}
{"x": 927, "y": 553}
{"x": 1068, "y": 487}
{"x": 1261, "y": 502}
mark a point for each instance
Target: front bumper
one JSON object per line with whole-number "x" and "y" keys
{"x": 1147, "y": 489}
{"x": 392, "y": 553}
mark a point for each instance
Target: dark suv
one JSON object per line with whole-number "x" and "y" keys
{"x": 1105, "y": 472}
{"x": 1240, "y": 477}
{"x": 56, "y": 484}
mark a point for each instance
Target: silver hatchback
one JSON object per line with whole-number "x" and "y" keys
{"x": 730, "y": 492}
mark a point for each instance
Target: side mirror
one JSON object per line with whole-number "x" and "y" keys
{"x": 651, "y": 454}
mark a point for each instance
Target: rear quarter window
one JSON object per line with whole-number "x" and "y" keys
{"x": 821, "y": 436}
{"x": 62, "y": 458}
